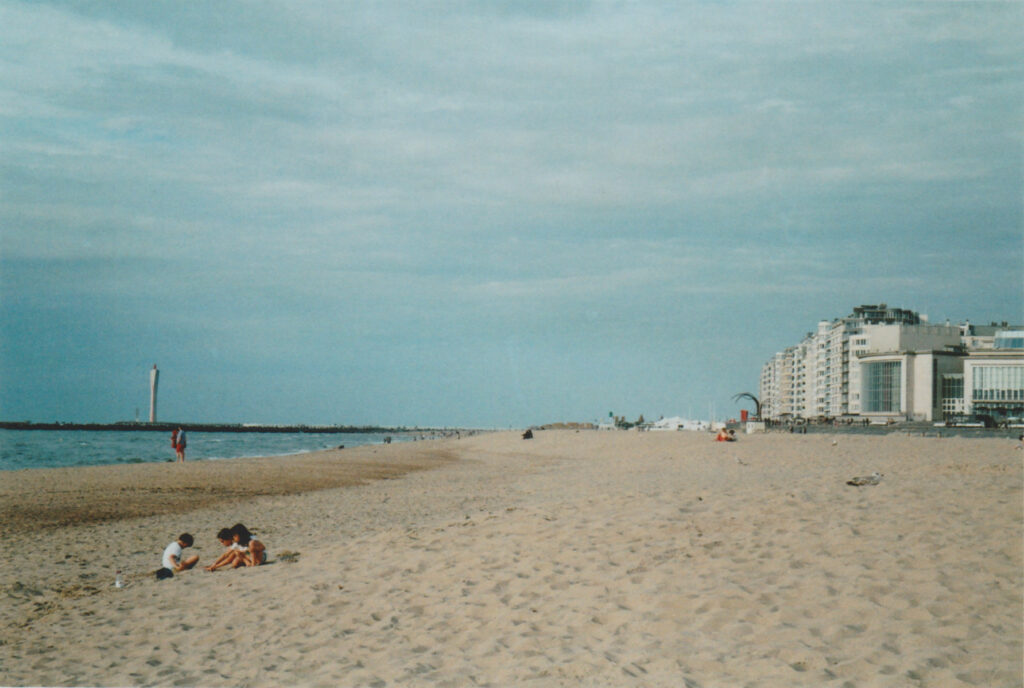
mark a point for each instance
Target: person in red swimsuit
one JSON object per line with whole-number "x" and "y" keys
{"x": 181, "y": 445}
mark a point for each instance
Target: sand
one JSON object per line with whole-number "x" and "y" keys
{"x": 573, "y": 559}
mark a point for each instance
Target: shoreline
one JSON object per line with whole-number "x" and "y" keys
{"x": 138, "y": 426}
{"x": 44, "y": 498}
{"x": 54, "y": 448}
{"x": 641, "y": 559}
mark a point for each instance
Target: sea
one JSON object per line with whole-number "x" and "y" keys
{"x": 21, "y": 449}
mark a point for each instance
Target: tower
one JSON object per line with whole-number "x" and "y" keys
{"x": 154, "y": 378}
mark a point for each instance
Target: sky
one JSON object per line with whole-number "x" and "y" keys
{"x": 486, "y": 214}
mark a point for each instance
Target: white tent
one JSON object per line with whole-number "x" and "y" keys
{"x": 678, "y": 423}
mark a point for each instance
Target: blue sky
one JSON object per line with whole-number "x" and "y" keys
{"x": 485, "y": 214}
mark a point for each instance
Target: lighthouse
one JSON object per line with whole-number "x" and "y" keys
{"x": 154, "y": 378}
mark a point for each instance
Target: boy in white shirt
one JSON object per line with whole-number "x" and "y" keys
{"x": 173, "y": 559}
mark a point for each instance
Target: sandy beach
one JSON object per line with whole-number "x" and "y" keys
{"x": 573, "y": 559}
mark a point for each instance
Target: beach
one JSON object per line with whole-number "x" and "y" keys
{"x": 573, "y": 559}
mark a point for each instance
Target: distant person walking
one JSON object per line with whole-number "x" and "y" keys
{"x": 174, "y": 441}
{"x": 181, "y": 445}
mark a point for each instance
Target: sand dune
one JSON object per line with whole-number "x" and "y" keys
{"x": 573, "y": 559}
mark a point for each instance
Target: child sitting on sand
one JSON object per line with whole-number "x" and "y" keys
{"x": 253, "y": 552}
{"x": 232, "y": 550}
{"x": 172, "y": 559}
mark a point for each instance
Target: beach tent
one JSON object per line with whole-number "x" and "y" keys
{"x": 679, "y": 423}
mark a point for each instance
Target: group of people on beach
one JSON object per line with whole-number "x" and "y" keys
{"x": 240, "y": 549}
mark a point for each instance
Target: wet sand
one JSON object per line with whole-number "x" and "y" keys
{"x": 594, "y": 559}
{"x": 41, "y": 499}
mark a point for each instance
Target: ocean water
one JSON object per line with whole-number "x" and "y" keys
{"x": 57, "y": 448}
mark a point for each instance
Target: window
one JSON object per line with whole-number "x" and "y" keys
{"x": 1009, "y": 339}
{"x": 952, "y": 386}
{"x": 881, "y": 385}
{"x": 998, "y": 383}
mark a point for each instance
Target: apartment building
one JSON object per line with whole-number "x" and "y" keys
{"x": 784, "y": 382}
{"x": 813, "y": 379}
{"x": 883, "y": 364}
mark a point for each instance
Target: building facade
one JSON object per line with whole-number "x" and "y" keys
{"x": 885, "y": 364}
{"x": 993, "y": 378}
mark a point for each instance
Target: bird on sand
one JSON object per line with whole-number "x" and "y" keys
{"x": 872, "y": 479}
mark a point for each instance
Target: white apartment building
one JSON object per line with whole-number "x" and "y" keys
{"x": 813, "y": 378}
{"x": 884, "y": 364}
{"x": 778, "y": 378}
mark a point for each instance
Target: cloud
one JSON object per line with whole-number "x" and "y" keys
{"x": 317, "y": 185}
